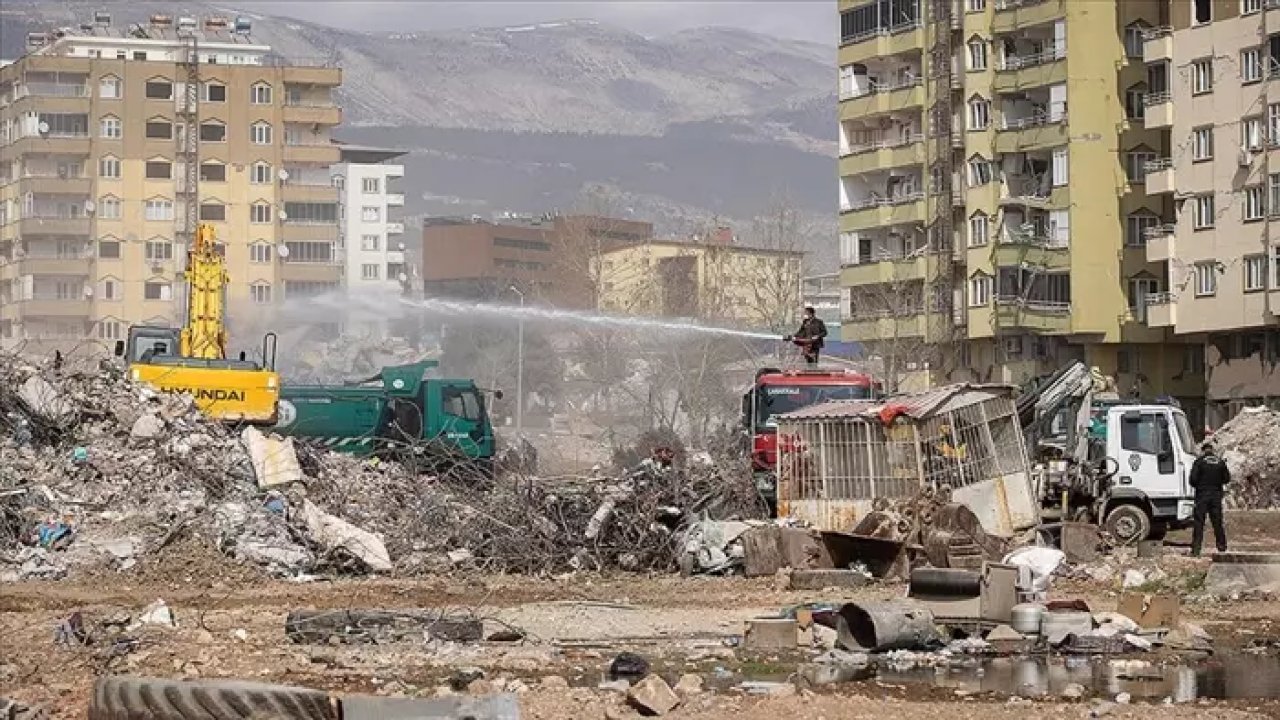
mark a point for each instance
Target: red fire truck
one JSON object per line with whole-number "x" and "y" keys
{"x": 775, "y": 392}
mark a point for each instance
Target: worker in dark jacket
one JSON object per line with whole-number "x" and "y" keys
{"x": 1209, "y": 478}
{"x": 810, "y": 336}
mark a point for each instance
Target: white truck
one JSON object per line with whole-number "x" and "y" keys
{"x": 1099, "y": 459}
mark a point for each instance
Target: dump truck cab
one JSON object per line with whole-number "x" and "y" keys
{"x": 1151, "y": 449}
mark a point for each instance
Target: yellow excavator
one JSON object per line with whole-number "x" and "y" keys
{"x": 194, "y": 360}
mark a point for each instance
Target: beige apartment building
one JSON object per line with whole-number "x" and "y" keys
{"x": 1211, "y": 70}
{"x": 115, "y": 142}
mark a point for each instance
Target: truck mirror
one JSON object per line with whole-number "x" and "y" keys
{"x": 119, "y": 351}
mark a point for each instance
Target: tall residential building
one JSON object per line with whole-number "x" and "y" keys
{"x": 1211, "y": 92}
{"x": 993, "y": 211}
{"x": 372, "y": 217}
{"x": 116, "y": 142}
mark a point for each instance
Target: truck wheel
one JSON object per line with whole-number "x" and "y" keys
{"x": 1128, "y": 524}
{"x": 131, "y": 698}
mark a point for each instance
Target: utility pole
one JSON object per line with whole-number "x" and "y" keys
{"x": 519, "y": 364}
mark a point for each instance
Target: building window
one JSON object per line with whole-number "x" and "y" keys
{"x": 1250, "y": 65}
{"x": 1202, "y": 11}
{"x": 213, "y": 172}
{"x": 1202, "y": 216}
{"x": 214, "y": 212}
{"x": 1273, "y": 191}
{"x": 260, "y": 213}
{"x": 978, "y": 229}
{"x": 214, "y": 92}
{"x": 110, "y": 290}
{"x": 1136, "y": 227}
{"x": 157, "y": 291}
{"x": 1202, "y": 76}
{"x": 1060, "y": 169}
{"x": 110, "y": 128}
{"x": 1254, "y": 203}
{"x": 369, "y": 272}
{"x": 109, "y": 167}
{"x": 371, "y": 186}
{"x": 1250, "y": 6}
{"x": 979, "y": 172}
{"x": 110, "y": 88}
{"x": 261, "y": 174}
{"x": 1251, "y": 133}
{"x": 1139, "y": 290}
{"x": 979, "y": 114}
{"x": 159, "y": 210}
{"x": 109, "y": 208}
{"x": 213, "y": 132}
{"x": 370, "y": 242}
{"x": 980, "y": 290}
{"x": 1135, "y": 102}
{"x": 108, "y": 330}
{"x": 260, "y": 253}
{"x": 159, "y": 130}
{"x": 977, "y": 54}
{"x": 977, "y": 5}
{"x": 1136, "y": 165}
{"x": 159, "y": 170}
{"x": 1202, "y": 143}
{"x": 1275, "y": 265}
{"x": 260, "y": 293}
{"x": 159, "y": 250}
{"x": 1255, "y": 273}
{"x": 370, "y": 213}
{"x": 1206, "y": 279}
{"x": 159, "y": 90}
{"x": 1133, "y": 39}
{"x": 260, "y": 94}
{"x": 109, "y": 249}
{"x": 260, "y": 133}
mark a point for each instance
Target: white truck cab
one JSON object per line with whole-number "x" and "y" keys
{"x": 1151, "y": 449}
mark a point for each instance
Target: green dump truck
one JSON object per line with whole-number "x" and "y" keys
{"x": 399, "y": 413}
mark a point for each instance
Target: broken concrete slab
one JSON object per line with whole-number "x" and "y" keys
{"x": 652, "y": 696}
{"x": 1238, "y": 572}
{"x": 823, "y": 579}
{"x": 44, "y": 400}
{"x": 770, "y": 633}
{"x": 368, "y": 626}
{"x": 689, "y": 684}
{"x": 275, "y": 461}
{"x": 334, "y": 533}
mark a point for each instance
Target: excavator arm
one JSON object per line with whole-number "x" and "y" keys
{"x": 204, "y": 335}
{"x": 1072, "y": 387}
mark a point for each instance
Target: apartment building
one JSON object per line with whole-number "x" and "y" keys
{"x": 1211, "y": 67}
{"x": 372, "y": 235}
{"x": 546, "y": 257}
{"x": 711, "y": 279}
{"x": 993, "y": 199}
{"x": 115, "y": 142}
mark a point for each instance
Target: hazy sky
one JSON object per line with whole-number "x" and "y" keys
{"x": 803, "y": 19}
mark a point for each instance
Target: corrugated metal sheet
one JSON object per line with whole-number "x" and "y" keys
{"x": 915, "y": 405}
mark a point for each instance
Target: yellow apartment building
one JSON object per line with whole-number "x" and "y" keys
{"x": 115, "y": 142}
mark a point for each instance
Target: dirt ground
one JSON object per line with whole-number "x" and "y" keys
{"x": 230, "y": 624}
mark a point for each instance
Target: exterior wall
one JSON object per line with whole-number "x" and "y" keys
{"x": 388, "y": 257}
{"x": 259, "y": 273}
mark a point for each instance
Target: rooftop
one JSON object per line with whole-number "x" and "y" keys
{"x": 367, "y": 154}
{"x": 703, "y": 245}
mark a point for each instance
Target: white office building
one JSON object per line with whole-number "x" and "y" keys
{"x": 372, "y": 239}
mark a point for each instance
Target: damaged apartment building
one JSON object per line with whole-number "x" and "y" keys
{"x": 994, "y": 198}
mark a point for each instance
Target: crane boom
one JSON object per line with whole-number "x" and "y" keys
{"x": 205, "y": 333}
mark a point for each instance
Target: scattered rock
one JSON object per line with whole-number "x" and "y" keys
{"x": 1074, "y": 691}
{"x": 1133, "y": 578}
{"x": 1138, "y": 642}
{"x": 554, "y": 682}
{"x": 1004, "y": 633}
{"x": 157, "y": 613}
{"x": 618, "y": 686}
{"x": 689, "y": 684}
{"x": 147, "y": 427}
{"x": 628, "y": 666}
{"x": 463, "y": 677}
{"x": 772, "y": 689}
{"x": 1101, "y": 709}
{"x": 1123, "y": 698}
{"x": 653, "y": 696}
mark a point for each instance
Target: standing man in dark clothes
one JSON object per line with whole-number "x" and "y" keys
{"x": 1209, "y": 477}
{"x": 810, "y": 336}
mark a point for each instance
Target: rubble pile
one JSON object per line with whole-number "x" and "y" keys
{"x": 1248, "y": 444}
{"x": 97, "y": 471}
{"x": 346, "y": 357}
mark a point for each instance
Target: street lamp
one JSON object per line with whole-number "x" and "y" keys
{"x": 519, "y": 364}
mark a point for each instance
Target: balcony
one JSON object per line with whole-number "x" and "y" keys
{"x": 884, "y": 270}
{"x": 1162, "y": 310}
{"x": 44, "y": 184}
{"x": 53, "y": 144}
{"x": 313, "y": 153}
{"x": 1037, "y": 132}
{"x": 1161, "y": 243}
{"x": 1159, "y": 176}
{"x": 1018, "y": 72}
{"x": 395, "y": 228}
{"x": 1159, "y": 110}
{"x": 1045, "y": 317}
{"x": 1157, "y": 45}
{"x": 883, "y": 99}
{"x": 869, "y": 328}
{"x": 1019, "y": 190}
{"x": 882, "y": 212}
{"x": 1015, "y": 249}
{"x": 884, "y": 154}
{"x": 54, "y": 226}
{"x": 1013, "y": 14}
{"x": 395, "y": 199}
{"x": 52, "y": 97}
{"x": 54, "y": 307}
{"x": 326, "y": 272}
{"x": 65, "y": 266}
{"x": 310, "y": 71}
{"x": 309, "y": 192}
{"x": 312, "y": 112}
{"x": 882, "y": 42}
{"x": 309, "y": 232}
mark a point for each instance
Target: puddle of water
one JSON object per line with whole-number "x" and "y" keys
{"x": 1226, "y": 677}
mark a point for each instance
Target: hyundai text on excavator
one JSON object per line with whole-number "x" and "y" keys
{"x": 193, "y": 359}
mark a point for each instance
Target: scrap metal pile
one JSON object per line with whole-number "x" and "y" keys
{"x": 1248, "y": 444}
{"x": 97, "y": 472}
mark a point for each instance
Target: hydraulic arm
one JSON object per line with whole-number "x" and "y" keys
{"x": 204, "y": 335}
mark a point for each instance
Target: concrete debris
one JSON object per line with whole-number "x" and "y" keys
{"x": 1004, "y": 633}
{"x": 44, "y": 400}
{"x": 652, "y": 696}
{"x": 275, "y": 462}
{"x": 146, "y": 427}
{"x": 157, "y": 613}
{"x": 335, "y": 534}
{"x": 689, "y": 684}
{"x": 379, "y": 627}
{"x": 1073, "y": 691}
{"x": 1247, "y": 443}
{"x": 1133, "y": 578}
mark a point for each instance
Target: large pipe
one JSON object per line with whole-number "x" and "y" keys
{"x": 876, "y": 627}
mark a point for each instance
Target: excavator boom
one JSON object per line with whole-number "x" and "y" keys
{"x": 205, "y": 334}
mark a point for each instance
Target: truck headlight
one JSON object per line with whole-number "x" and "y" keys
{"x": 1186, "y": 508}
